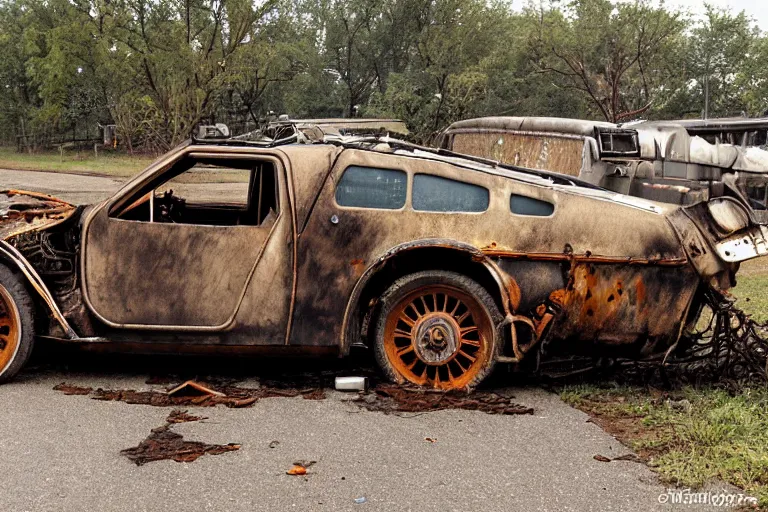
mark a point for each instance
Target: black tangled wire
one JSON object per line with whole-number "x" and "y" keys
{"x": 725, "y": 346}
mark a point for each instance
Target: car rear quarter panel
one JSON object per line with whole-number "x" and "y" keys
{"x": 586, "y": 251}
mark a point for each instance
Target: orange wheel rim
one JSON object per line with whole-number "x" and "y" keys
{"x": 10, "y": 329}
{"x": 439, "y": 337}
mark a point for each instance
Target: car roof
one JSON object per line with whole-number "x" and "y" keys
{"x": 386, "y": 144}
{"x": 582, "y": 127}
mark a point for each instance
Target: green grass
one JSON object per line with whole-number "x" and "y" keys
{"x": 751, "y": 289}
{"x": 694, "y": 437}
{"x": 108, "y": 163}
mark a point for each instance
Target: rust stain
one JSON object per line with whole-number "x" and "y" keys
{"x": 597, "y": 305}
{"x": 583, "y": 258}
{"x": 229, "y": 396}
{"x": 513, "y": 290}
{"x": 639, "y": 290}
{"x": 358, "y": 266}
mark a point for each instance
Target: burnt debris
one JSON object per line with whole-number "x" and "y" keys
{"x": 227, "y": 395}
{"x": 727, "y": 347}
{"x": 165, "y": 444}
{"x": 393, "y": 399}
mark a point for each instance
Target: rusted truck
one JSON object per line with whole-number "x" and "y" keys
{"x": 669, "y": 161}
{"x": 442, "y": 265}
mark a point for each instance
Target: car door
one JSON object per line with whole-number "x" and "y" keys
{"x": 150, "y": 261}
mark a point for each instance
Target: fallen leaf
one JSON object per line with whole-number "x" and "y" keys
{"x": 297, "y": 470}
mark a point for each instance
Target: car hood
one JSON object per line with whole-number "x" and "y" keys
{"x": 22, "y": 211}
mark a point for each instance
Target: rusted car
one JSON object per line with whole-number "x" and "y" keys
{"x": 442, "y": 265}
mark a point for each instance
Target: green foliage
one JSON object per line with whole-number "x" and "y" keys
{"x": 620, "y": 55}
{"x": 156, "y": 69}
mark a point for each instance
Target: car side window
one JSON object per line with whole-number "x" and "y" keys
{"x": 524, "y": 205}
{"x": 436, "y": 194}
{"x": 370, "y": 187}
{"x": 210, "y": 192}
{"x": 206, "y": 184}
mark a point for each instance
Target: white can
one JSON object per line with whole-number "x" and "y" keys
{"x": 352, "y": 383}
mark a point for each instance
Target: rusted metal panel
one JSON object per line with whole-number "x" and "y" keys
{"x": 22, "y": 211}
{"x": 553, "y": 153}
{"x": 178, "y": 275}
{"x": 185, "y": 276}
{"x": 310, "y": 168}
{"x": 624, "y": 305}
{"x": 330, "y": 254}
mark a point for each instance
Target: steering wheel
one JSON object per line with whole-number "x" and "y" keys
{"x": 170, "y": 208}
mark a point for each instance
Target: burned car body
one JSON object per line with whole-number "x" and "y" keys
{"x": 286, "y": 129}
{"x": 737, "y": 131}
{"x": 442, "y": 264}
{"x": 657, "y": 160}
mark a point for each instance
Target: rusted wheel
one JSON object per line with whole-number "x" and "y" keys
{"x": 16, "y": 324}
{"x": 437, "y": 329}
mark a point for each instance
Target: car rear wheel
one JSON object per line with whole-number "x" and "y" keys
{"x": 16, "y": 324}
{"x": 436, "y": 329}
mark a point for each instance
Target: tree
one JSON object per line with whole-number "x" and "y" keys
{"x": 719, "y": 53}
{"x": 610, "y": 52}
{"x": 752, "y": 78}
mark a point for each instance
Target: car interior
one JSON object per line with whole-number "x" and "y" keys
{"x": 211, "y": 192}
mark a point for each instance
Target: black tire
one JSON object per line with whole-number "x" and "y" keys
{"x": 14, "y": 285}
{"x": 435, "y": 283}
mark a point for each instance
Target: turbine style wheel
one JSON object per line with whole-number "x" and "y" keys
{"x": 437, "y": 329}
{"x": 16, "y": 324}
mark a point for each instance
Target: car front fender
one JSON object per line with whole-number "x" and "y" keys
{"x": 13, "y": 258}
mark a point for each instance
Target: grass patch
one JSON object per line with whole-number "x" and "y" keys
{"x": 108, "y": 163}
{"x": 689, "y": 437}
{"x": 751, "y": 289}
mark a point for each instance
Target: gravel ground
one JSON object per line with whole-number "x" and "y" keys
{"x": 75, "y": 188}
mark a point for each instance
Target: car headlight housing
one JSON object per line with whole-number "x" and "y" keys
{"x": 728, "y": 214}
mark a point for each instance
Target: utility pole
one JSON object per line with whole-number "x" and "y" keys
{"x": 706, "y": 91}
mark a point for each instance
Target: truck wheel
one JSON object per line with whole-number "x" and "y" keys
{"x": 16, "y": 324}
{"x": 437, "y": 329}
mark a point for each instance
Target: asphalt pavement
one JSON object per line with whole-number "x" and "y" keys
{"x": 62, "y": 453}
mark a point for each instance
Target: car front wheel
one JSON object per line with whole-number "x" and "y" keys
{"x": 436, "y": 329}
{"x": 16, "y": 324}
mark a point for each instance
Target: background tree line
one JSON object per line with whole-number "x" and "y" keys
{"x": 156, "y": 68}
